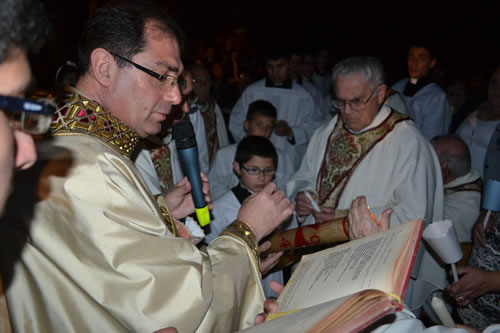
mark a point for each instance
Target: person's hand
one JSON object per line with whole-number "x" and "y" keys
{"x": 270, "y": 260}
{"x": 478, "y": 232}
{"x": 180, "y": 201}
{"x": 265, "y": 210}
{"x": 270, "y": 305}
{"x": 282, "y": 128}
{"x": 303, "y": 205}
{"x": 326, "y": 214}
{"x": 361, "y": 220}
{"x": 474, "y": 283}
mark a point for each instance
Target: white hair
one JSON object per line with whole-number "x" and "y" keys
{"x": 369, "y": 67}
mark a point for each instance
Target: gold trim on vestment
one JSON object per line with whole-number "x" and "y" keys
{"x": 78, "y": 115}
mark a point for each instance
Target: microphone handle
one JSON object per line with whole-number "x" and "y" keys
{"x": 190, "y": 164}
{"x": 189, "y": 160}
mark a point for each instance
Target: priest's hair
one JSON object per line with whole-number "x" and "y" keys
{"x": 120, "y": 28}
{"x": 369, "y": 67}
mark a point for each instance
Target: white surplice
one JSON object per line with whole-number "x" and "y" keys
{"x": 476, "y": 134}
{"x": 429, "y": 108}
{"x": 462, "y": 207}
{"x": 294, "y": 105}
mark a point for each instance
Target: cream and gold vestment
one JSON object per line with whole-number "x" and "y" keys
{"x": 93, "y": 251}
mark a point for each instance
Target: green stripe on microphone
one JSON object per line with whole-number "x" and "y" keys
{"x": 203, "y": 215}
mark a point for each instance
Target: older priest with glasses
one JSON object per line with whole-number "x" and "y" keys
{"x": 92, "y": 249}
{"x": 369, "y": 154}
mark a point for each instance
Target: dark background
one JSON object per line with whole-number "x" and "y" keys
{"x": 466, "y": 35}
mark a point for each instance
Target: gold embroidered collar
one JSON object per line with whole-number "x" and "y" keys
{"x": 78, "y": 115}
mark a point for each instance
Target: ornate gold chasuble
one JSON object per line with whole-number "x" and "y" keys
{"x": 78, "y": 115}
{"x": 344, "y": 151}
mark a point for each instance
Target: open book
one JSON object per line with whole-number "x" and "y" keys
{"x": 348, "y": 287}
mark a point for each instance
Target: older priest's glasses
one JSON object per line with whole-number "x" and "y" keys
{"x": 167, "y": 81}
{"x": 354, "y": 104}
{"x": 33, "y": 117}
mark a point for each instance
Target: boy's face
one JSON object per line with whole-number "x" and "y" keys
{"x": 420, "y": 62}
{"x": 260, "y": 126}
{"x": 277, "y": 70}
{"x": 254, "y": 183}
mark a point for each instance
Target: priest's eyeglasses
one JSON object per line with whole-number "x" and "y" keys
{"x": 167, "y": 81}
{"x": 32, "y": 117}
{"x": 254, "y": 171}
{"x": 354, "y": 104}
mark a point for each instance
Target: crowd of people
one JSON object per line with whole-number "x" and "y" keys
{"x": 99, "y": 231}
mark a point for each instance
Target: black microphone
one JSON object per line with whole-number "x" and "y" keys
{"x": 185, "y": 140}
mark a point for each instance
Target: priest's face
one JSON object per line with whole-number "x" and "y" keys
{"x": 17, "y": 150}
{"x": 420, "y": 62}
{"x": 277, "y": 70}
{"x": 140, "y": 100}
{"x": 202, "y": 83}
{"x": 359, "y": 101}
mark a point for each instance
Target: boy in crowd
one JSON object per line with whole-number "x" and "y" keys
{"x": 428, "y": 104}
{"x": 260, "y": 121}
{"x": 255, "y": 163}
{"x": 297, "y": 113}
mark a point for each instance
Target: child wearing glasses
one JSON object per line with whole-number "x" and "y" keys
{"x": 255, "y": 164}
{"x": 260, "y": 121}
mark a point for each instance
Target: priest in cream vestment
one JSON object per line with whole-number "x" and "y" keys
{"x": 90, "y": 248}
{"x": 373, "y": 151}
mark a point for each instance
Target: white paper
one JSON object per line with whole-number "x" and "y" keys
{"x": 442, "y": 238}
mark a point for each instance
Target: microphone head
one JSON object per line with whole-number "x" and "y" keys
{"x": 183, "y": 134}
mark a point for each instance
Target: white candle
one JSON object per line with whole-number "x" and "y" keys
{"x": 441, "y": 311}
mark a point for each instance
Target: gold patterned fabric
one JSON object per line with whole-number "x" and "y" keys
{"x": 77, "y": 115}
{"x": 162, "y": 162}
{"x": 344, "y": 152}
{"x": 210, "y": 119}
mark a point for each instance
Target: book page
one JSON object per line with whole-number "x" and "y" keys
{"x": 345, "y": 314}
{"x": 300, "y": 321}
{"x": 366, "y": 263}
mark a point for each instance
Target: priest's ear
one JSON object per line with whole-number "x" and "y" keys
{"x": 237, "y": 169}
{"x": 382, "y": 91}
{"x": 102, "y": 65}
